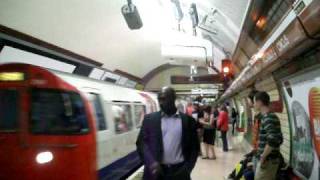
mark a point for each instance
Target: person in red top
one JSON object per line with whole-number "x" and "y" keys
{"x": 255, "y": 128}
{"x": 223, "y": 121}
{"x": 256, "y": 121}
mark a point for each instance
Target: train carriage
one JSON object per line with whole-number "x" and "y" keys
{"x": 45, "y": 122}
{"x": 119, "y": 112}
{"x": 57, "y": 131}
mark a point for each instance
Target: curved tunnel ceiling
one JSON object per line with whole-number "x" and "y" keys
{"x": 97, "y": 29}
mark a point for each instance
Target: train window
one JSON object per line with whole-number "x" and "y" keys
{"x": 98, "y": 111}
{"x": 56, "y": 112}
{"x": 122, "y": 118}
{"x": 139, "y": 112}
{"x": 8, "y": 110}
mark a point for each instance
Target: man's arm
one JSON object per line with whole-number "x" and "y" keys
{"x": 195, "y": 146}
{"x": 143, "y": 147}
{"x": 142, "y": 142}
{"x": 139, "y": 143}
{"x": 267, "y": 150}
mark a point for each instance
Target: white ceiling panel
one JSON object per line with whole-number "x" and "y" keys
{"x": 96, "y": 28}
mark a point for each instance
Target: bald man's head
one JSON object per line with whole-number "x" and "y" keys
{"x": 167, "y": 92}
{"x": 167, "y": 97}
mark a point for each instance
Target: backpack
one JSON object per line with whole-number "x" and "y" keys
{"x": 285, "y": 172}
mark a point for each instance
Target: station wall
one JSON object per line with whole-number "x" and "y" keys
{"x": 294, "y": 93}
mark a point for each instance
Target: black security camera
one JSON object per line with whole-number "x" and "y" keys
{"x": 131, "y": 15}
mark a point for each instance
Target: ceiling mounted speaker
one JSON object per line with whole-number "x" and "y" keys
{"x": 131, "y": 15}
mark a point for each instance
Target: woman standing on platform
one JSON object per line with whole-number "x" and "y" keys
{"x": 223, "y": 120}
{"x": 209, "y": 133}
{"x": 234, "y": 116}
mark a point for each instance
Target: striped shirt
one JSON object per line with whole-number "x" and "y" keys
{"x": 270, "y": 133}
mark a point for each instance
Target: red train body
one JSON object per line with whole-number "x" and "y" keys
{"x": 32, "y": 146}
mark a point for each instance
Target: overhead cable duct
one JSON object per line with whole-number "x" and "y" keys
{"x": 178, "y": 12}
{"x": 194, "y": 17}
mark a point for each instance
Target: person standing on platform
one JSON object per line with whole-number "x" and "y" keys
{"x": 189, "y": 109}
{"x": 209, "y": 133}
{"x": 223, "y": 125}
{"x": 256, "y": 121}
{"x": 270, "y": 139}
{"x": 229, "y": 110}
{"x": 234, "y": 116}
{"x": 167, "y": 143}
{"x": 197, "y": 114}
{"x": 230, "y": 121}
{"x": 195, "y": 110}
{"x": 255, "y": 127}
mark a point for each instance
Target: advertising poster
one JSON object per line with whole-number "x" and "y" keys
{"x": 302, "y": 94}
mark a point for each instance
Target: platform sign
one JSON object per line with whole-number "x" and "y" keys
{"x": 302, "y": 94}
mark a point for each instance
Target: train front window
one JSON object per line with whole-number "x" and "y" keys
{"x": 9, "y": 110}
{"x": 56, "y": 112}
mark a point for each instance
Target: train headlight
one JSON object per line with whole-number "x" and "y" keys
{"x": 44, "y": 157}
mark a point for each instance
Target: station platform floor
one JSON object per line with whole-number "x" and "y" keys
{"x": 219, "y": 168}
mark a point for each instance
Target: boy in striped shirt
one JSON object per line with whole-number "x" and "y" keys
{"x": 270, "y": 139}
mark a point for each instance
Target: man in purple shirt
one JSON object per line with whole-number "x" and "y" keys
{"x": 167, "y": 143}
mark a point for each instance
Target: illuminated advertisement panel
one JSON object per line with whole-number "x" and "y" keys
{"x": 302, "y": 94}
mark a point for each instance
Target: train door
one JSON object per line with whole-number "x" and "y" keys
{"x": 10, "y": 139}
{"x": 59, "y": 135}
{"x": 103, "y": 128}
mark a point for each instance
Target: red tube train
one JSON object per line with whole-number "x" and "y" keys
{"x": 36, "y": 143}
{"x": 50, "y": 129}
